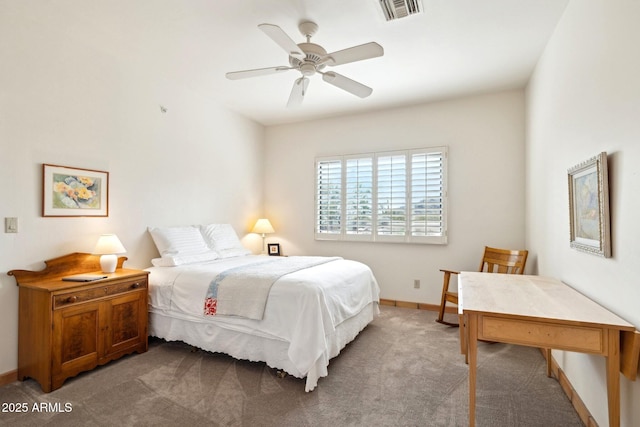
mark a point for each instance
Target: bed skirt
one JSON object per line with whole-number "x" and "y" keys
{"x": 274, "y": 352}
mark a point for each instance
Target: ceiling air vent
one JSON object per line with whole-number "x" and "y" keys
{"x": 394, "y": 9}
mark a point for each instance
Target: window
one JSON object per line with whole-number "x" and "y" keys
{"x": 397, "y": 196}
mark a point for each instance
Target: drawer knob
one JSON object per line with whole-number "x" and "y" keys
{"x": 72, "y": 298}
{"x": 135, "y": 285}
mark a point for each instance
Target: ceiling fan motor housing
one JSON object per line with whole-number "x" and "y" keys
{"x": 314, "y": 54}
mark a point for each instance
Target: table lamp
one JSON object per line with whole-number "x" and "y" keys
{"x": 263, "y": 226}
{"x": 107, "y": 247}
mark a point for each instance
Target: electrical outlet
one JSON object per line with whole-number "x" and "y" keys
{"x": 416, "y": 283}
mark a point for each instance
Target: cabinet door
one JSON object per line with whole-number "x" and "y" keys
{"x": 76, "y": 340}
{"x": 126, "y": 319}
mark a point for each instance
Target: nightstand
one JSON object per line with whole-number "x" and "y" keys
{"x": 65, "y": 328}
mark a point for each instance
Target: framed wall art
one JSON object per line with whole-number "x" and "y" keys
{"x": 68, "y": 191}
{"x": 274, "y": 249}
{"x": 589, "y": 206}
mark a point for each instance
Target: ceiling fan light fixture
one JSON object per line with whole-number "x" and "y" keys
{"x": 307, "y": 69}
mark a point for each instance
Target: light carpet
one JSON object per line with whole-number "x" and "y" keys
{"x": 404, "y": 369}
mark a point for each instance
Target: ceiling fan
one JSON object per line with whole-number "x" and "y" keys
{"x": 309, "y": 58}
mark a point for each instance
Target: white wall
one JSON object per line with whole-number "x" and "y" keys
{"x": 485, "y": 135}
{"x": 65, "y": 101}
{"x": 584, "y": 98}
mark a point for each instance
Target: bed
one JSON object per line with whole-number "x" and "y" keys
{"x": 293, "y": 313}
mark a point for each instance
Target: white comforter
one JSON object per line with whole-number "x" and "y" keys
{"x": 303, "y": 307}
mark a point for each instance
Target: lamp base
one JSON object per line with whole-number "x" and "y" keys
{"x": 108, "y": 263}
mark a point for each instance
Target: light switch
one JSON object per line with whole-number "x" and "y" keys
{"x": 11, "y": 225}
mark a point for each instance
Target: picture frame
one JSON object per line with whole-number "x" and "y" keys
{"x": 273, "y": 249}
{"x": 74, "y": 192}
{"x": 589, "y": 221}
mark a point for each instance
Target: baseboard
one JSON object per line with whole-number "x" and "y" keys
{"x": 416, "y": 305}
{"x": 8, "y": 377}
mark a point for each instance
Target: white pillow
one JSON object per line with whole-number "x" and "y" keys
{"x": 173, "y": 261}
{"x": 223, "y": 239}
{"x": 178, "y": 241}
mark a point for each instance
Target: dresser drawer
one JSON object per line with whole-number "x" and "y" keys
{"x": 84, "y": 295}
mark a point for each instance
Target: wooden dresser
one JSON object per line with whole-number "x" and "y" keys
{"x": 69, "y": 327}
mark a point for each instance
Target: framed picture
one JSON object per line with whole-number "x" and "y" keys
{"x": 589, "y": 206}
{"x": 70, "y": 191}
{"x": 274, "y": 249}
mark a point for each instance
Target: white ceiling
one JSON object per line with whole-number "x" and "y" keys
{"x": 454, "y": 47}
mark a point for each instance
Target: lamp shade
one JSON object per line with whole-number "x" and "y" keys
{"x": 109, "y": 244}
{"x": 263, "y": 226}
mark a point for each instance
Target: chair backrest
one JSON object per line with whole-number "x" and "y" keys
{"x": 503, "y": 261}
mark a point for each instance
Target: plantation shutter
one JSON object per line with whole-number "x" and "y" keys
{"x": 359, "y": 197}
{"x": 427, "y": 194}
{"x": 328, "y": 198}
{"x": 392, "y": 196}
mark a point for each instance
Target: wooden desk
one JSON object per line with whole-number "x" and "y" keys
{"x": 539, "y": 312}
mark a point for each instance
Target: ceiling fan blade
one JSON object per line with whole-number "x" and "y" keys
{"x": 235, "y": 75}
{"x": 356, "y": 53}
{"x": 282, "y": 39}
{"x": 298, "y": 92}
{"x": 345, "y": 83}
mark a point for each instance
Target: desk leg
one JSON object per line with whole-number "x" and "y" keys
{"x": 472, "y": 353}
{"x": 613, "y": 377}
{"x": 463, "y": 337}
{"x": 547, "y": 352}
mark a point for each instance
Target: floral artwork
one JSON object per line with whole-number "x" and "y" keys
{"x": 74, "y": 192}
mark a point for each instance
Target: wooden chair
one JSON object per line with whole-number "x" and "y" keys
{"x": 493, "y": 261}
